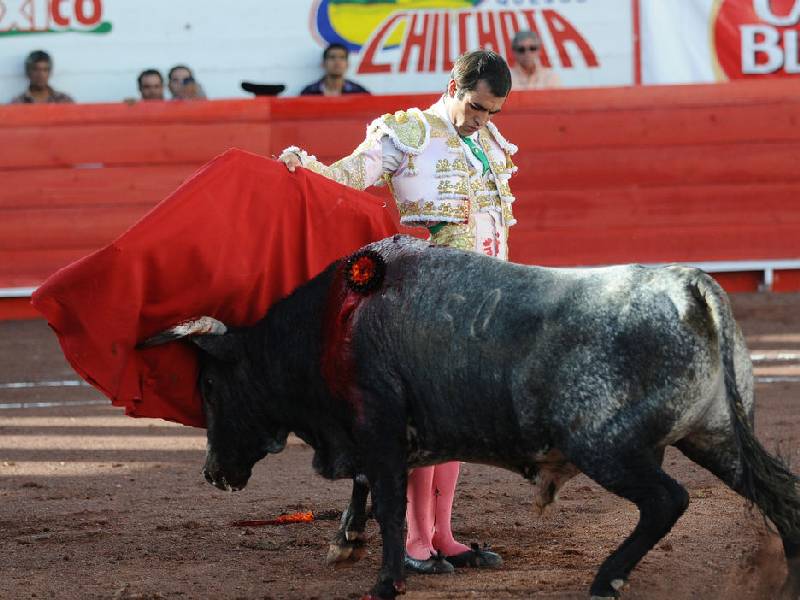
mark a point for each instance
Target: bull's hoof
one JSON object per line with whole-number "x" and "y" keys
{"x": 386, "y": 590}
{"x": 539, "y": 509}
{"x": 614, "y": 588}
{"x": 346, "y": 551}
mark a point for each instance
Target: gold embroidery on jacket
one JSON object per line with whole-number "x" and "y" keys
{"x": 508, "y": 214}
{"x": 459, "y": 187}
{"x": 422, "y": 210}
{"x": 460, "y": 190}
{"x": 439, "y": 128}
{"x": 456, "y": 235}
{"x": 408, "y": 128}
{"x": 350, "y": 171}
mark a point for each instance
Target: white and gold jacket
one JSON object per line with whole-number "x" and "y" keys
{"x": 433, "y": 176}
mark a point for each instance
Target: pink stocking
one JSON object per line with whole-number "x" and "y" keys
{"x": 419, "y": 513}
{"x": 444, "y": 484}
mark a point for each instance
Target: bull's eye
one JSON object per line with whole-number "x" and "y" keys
{"x": 208, "y": 381}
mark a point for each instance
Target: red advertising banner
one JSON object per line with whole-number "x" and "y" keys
{"x": 756, "y": 38}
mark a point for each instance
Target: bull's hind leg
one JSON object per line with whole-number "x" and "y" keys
{"x": 760, "y": 478}
{"x": 349, "y": 541}
{"x": 660, "y": 499}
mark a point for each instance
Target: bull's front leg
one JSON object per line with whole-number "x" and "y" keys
{"x": 349, "y": 541}
{"x": 389, "y": 506}
{"x": 382, "y": 449}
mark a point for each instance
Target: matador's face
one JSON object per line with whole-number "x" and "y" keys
{"x": 471, "y": 110}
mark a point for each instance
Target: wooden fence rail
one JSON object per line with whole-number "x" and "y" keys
{"x": 706, "y": 175}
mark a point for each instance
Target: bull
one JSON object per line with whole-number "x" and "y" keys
{"x": 408, "y": 354}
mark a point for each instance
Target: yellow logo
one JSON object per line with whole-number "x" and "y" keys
{"x": 353, "y": 22}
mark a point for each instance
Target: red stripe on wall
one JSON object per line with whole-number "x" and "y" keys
{"x": 636, "y": 15}
{"x": 17, "y": 308}
{"x": 647, "y": 174}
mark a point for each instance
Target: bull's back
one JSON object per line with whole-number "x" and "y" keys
{"x": 522, "y": 354}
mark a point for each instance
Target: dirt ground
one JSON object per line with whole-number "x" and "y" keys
{"x": 94, "y": 504}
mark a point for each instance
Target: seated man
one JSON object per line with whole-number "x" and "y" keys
{"x": 151, "y": 85}
{"x": 333, "y": 83}
{"x": 38, "y": 68}
{"x": 182, "y": 84}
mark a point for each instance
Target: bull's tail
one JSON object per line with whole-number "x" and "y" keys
{"x": 762, "y": 478}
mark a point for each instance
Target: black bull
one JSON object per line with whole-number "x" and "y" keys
{"x": 456, "y": 356}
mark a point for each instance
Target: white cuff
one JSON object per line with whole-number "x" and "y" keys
{"x": 301, "y": 154}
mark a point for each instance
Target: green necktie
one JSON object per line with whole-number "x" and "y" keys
{"x": 478, "y": 152}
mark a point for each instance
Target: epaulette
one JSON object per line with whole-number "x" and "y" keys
{"x": 408, "y": 129}
{"x": 501, "y": 141}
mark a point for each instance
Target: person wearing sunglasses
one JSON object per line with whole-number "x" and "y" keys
{"x": 528, "y": 73}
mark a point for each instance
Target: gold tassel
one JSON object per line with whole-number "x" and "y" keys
{"x": 411, "y": 170}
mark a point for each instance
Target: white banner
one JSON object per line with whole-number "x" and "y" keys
{"x": 100, "y": 46}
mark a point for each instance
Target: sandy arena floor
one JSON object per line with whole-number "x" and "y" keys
{"x": 94, "y": 504}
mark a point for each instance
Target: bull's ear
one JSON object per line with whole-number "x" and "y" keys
{"x": 224, "y": 347}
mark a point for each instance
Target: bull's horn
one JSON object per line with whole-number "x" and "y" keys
{"x": 201, "y": 326}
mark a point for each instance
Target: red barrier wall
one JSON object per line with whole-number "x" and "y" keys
{"x": 646, "y": 174}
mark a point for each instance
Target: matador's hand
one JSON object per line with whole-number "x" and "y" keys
{"x": 291, "y": 160}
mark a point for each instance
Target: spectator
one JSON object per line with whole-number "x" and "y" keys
{"x": 182, "y": 84}
{"x": 529, "y": 73}
{"x": 151, "y": 85}
{"x": 333, "y": 83}
{"x": 38, "y": 68}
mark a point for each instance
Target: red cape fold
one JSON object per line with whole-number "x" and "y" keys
{"x": 240, "y": 234}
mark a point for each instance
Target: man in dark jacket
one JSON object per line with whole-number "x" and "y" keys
{"x": 38, "y": 68}
{"x": 333, "y": 83}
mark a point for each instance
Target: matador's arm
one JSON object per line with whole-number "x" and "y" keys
{"x": 361, "y": 169}
{"x": 388, "y": 141}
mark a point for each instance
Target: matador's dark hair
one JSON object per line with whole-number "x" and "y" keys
{"x": 472, "y": 67}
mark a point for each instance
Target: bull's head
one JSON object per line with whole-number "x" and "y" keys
{"x": 241, "y": 430}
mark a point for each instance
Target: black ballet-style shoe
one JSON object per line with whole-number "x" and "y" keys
{"x": 435, "y": 565}
{"x": 475, "y": 557}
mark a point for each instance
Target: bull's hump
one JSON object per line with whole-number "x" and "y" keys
{"x": 398, "y": 245}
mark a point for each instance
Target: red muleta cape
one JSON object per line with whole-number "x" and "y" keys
{"x": 239, "y": 235}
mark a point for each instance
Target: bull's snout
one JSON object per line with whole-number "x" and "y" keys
{"x": 227, "y": 482}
